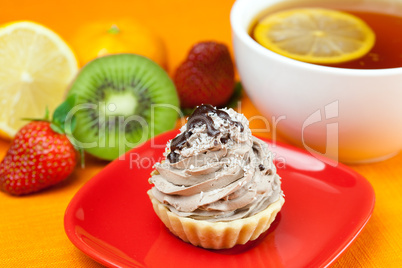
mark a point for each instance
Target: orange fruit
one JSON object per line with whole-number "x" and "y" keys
{"x": 100, "y": 38}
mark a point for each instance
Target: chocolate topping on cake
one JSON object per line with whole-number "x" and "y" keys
{"x": 200, "y": 117}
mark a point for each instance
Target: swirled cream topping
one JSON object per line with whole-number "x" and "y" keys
{"x": 215, "y": 169}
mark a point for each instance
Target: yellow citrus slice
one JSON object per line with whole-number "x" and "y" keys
{"x": 315, "y": 35}
{"x": 36, "y": 68}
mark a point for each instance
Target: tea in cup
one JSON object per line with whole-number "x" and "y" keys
{"x": 348, "y": 111}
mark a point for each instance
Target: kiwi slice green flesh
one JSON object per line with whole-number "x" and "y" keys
{"x": 122, "y": 100}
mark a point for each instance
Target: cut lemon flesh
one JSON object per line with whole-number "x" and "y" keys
{"x": 36, "y": 68}
{"x": 315, "y": 35}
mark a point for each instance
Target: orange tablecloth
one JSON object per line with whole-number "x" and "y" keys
{"x": 31, "y": 227}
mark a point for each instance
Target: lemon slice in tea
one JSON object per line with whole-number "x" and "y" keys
{"x": 315, "y": 35}
{"x": 36, "y": 68}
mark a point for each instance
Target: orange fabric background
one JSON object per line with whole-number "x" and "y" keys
{"x": 31, "y": 227}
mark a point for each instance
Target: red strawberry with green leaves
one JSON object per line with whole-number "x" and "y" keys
{"x": 40, "y": 155}
{"x": 205, "y": 76}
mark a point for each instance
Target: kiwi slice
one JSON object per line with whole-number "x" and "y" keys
{"x": 121, "y": 101}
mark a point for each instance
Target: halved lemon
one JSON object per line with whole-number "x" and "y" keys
{"x": 315, "y": 35}
{"x": 36, "y": 68}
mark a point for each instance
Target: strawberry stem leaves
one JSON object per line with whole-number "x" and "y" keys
{"x": 62, "y": 116}
{"x": 236, "y": 96}
{"x": 45, "y": 118}
{"x": 64, "y": 122}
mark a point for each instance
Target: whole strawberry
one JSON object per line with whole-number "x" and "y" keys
{"x": 205, "y": 76}
{"x": 40, "y": 155}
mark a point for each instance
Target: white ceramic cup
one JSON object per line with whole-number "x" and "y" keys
{"x": 350, "y": 115}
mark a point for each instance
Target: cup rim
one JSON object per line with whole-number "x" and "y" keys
{"x": 238, "y": 30}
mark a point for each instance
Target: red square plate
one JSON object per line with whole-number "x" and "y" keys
{"x": 111, "y": 217}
